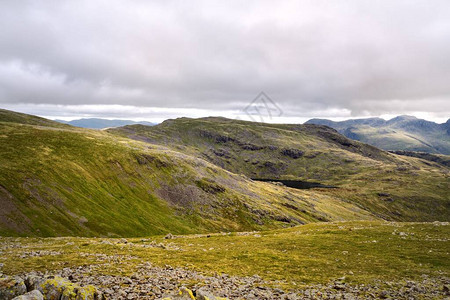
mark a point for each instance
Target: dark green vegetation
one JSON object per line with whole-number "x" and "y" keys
{"x": 59, "y": 180}
{"x": 400, "y": 133}
{"x": 314, "y": 253}
{"x": 390, "y": 186}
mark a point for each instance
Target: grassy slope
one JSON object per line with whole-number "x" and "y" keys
{"x": 391, "y": 186}
{"x": 314, "y": 253}
{"x": 15, "y": 117}
{"x": 59, "y": 180}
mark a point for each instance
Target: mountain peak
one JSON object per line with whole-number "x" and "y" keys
{"x": 400, "y": 133}
{"x": 404, "y": 118}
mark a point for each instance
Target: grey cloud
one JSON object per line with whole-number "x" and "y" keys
{"x": 368, "y": 57}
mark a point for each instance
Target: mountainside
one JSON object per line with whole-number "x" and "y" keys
{"x": 59, "y": 180}
{"x": 401, "y": 133}
{"x": 193, "y": 175}
{"x": 388, "y": 185}
{"x": 96, "y": 123}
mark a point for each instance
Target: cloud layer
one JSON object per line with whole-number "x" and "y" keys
{"x": 362, "y": 57}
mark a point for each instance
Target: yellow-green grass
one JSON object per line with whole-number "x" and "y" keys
{"x": 361, "y": 251}
{"x": 69, "y": 181}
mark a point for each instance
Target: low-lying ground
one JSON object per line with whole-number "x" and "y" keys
{"x": 366, "y": 259}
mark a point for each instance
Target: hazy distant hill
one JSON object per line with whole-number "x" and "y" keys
{"x": 401, "y": 133}
{"x": 98, "y": 123}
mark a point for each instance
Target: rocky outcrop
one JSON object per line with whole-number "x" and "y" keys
{"x": 11, "y": 287}
{"x": 292, "y": 153}
{"x": 33, "y": 295}
{"x": 34, "y": 287}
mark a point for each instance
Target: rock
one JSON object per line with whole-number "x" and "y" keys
{"x": 58, "y": 288}
{"x": 34, "y": 282}
{"x": 183, "y": 294}
{"x": 87, "y": 293}
{"x": 446, "y": 289}
{"x": 383, "y": 194}
{"x": 33, "y": 295}
{"x": 11, "y": 287}
{"x": 292, "y": 153}
{"x": 203, "y": 294}
{"x": 384, "y": 294}
{"x": 169, "y": 236}
{"x": 124, "y": 241}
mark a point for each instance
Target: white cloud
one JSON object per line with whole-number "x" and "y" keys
{"x": 352, "y": 58}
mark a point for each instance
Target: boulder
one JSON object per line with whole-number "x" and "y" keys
{"x": 11, "y": 287}
{"x": 88, "y": 293}
{"x": 33, "y": 295}
{"x": 55, "y": 288}
{"x": 33, "y": 282}
{"x": 203, "y": 294}
{"x": 183, "y": 294}
{"x": 58, "y": 288}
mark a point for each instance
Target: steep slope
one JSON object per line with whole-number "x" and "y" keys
{"x": 401, "y": 133}
{"x": 261, "y": 150}
{"x": 57, "y": 181}
{"x": 390, "y": 186}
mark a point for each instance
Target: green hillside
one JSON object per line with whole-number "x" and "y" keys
{"x": 390, "y": 186}
{"x": 60, "y": 180}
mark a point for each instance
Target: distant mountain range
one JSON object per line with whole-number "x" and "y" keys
{"x": 97, "y": 123}
{"x": 401, "y": 133}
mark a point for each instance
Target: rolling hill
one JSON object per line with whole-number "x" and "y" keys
{"x": 194, "y": 175}
{"x": 59, "y": 180}
{"x": 97, "y": 123}
{"x": 401, "y": 133}
{"x": 390, "y": 186}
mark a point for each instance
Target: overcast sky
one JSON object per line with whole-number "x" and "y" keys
{"x": 159, "y": 59}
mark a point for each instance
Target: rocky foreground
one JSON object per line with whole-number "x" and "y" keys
{"x": 345, "y": 260}
{"x": 163, "y": 283}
